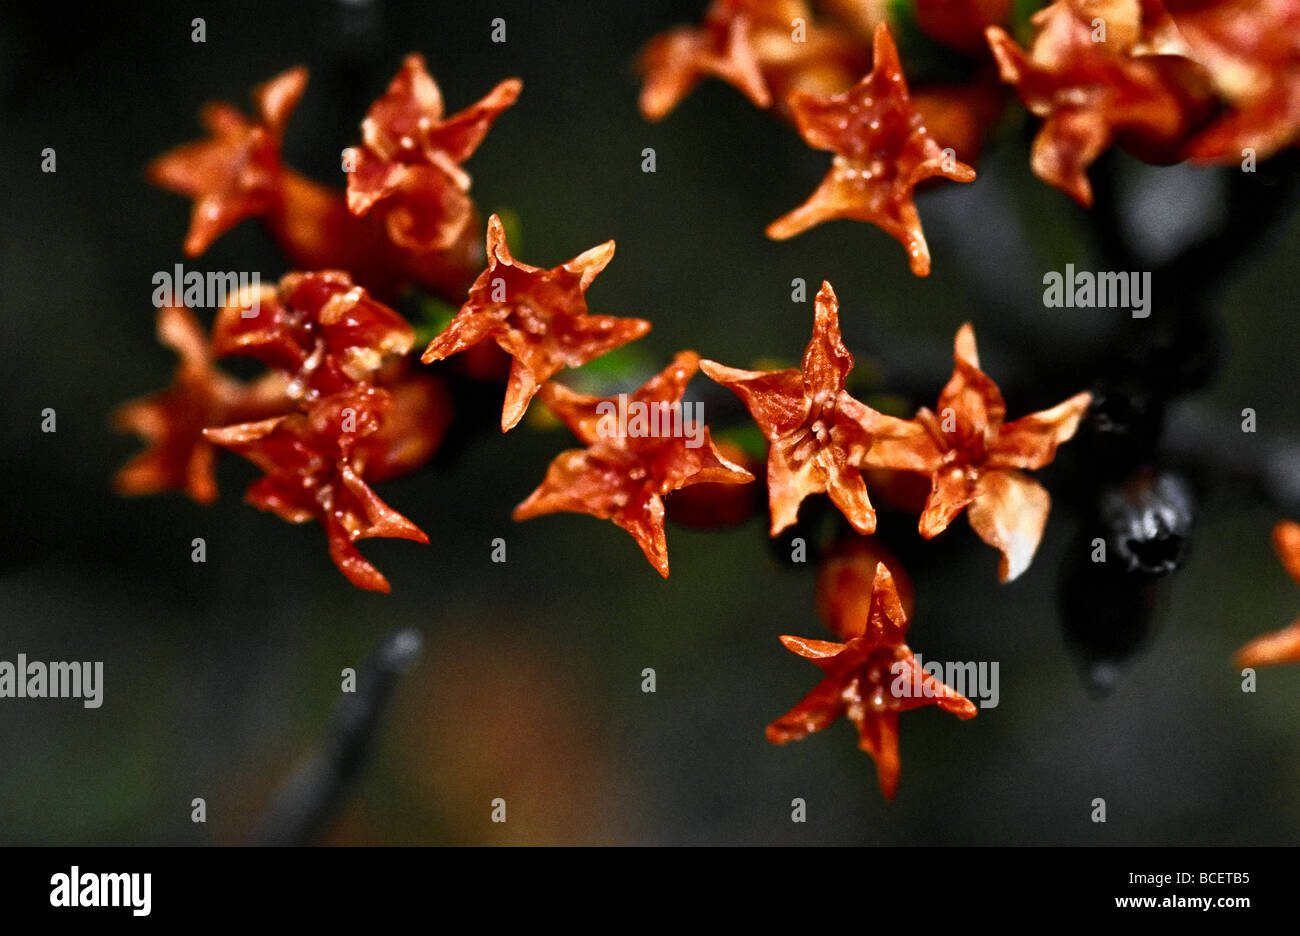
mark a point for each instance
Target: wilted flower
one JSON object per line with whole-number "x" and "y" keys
{"x": 323, "y": 330}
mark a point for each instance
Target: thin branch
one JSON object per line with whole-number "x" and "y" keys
{"x": 308, "y": 801}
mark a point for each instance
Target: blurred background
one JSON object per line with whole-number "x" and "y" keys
{"x": 221, "y": 677}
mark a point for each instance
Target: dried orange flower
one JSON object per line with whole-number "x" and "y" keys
{"x": 236, "y": 173}
{"x": 315, "y": 464}
{"x": 1092, "y": 93}
{"x": 178, "y": 457}
{"x": 817, "y": 433}
{"x": 1281, "y": 646}
{"x": 410, "y": 158}
{"x": 321, "y": 328}
{"x": 539, "y": 317}
{"x": 624, "y": 472}
{"x": 882, "y": 151}
{"x": 870, "y": 679}
{"x": 973, "y": 459}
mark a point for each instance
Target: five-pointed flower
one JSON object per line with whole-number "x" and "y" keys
{"x": 539, "y": 317}
{"x": 315, "y": 463}
{"x": 172, "y": 421}
{"x": 1281, "y": 646}
{"x": 870, "y": 679}
{"x": 882, "y": 151}
{"x": 973, "y": 457}
{"x": 817, "y": 433}
{"x": 411, "y": 155}
{"x": 630, "y": 463}
{"x": 236, "y": 173}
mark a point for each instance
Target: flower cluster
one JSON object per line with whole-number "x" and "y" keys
{"x": 344, "y": 403}
{"x": 821, "y": 439}
{"x": 1215, "y": 81}
{"x": 406, "y": 218}
{"x": 338, "y": 408}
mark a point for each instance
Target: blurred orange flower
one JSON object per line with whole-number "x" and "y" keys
{"x": 1281, "y": 646}
{"x": 178, "y": 458}
{"x": 763, "y": 48}
{"x": 235, "y": 173}
{"x": 1100, "y": 72}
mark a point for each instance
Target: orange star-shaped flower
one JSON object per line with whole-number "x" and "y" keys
{"x": 1281, "y": 646}
{"x": 871, "y": 679}
{"x": 1091, "y": 94}
{"x": 882, "y": 151}
{"x": 974, "y": 457}
{"x": 315, "y": 464}
{"x": 178, "y": 457}
{"x": 321, "y": 328}
{"x": 817, "y": 433}
{"x": 675, "y": 62}
{"x": 236, "y": 173}
{"x": 539, "y": 317}
{"x": 763, "y": 48}
{"x": 640, "y": 447}
{"x": 411, "y": 157}
{"x": 1251, "y": 50}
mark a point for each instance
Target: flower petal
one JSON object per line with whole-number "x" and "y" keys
{"x": 814, "y": 712}
{"x": 1009, "y": 512}
{"x": 1031, "y": 441}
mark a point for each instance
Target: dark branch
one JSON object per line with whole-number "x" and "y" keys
{"x": 304, "y": 806}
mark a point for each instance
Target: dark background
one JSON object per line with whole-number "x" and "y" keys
{"x": 221, "y": 676}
